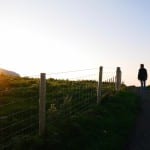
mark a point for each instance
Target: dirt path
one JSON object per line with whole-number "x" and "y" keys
{"x": 140, "y": 138}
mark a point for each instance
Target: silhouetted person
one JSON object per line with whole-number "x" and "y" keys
{"x": 142, "y": 75}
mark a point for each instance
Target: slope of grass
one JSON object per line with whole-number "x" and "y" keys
{"x": 105, "y": 126}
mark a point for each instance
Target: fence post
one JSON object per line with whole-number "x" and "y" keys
{"x": 42, "y": 100}
{"x": 118, "y": 79}
{"x": 99, "y": 89}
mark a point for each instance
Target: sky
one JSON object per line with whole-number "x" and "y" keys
{"x": 59, "y": 35}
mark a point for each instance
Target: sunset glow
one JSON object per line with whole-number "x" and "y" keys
{"x": 60, "y": 35}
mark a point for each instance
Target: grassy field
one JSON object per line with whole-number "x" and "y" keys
{"x": 73, "y": 121}
{"x": 104, "y": 126}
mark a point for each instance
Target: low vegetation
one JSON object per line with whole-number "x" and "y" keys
{"x": 105, "y": 126}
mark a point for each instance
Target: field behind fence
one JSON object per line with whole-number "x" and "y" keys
{"x": 28, "y": 105}
{"x": 18, "y": 109}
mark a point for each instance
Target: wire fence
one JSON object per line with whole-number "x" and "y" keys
{"x": 74, "y": 92}
{"x": 69, "y": 97}
{"x": 67, "y": 94}
{"x": 108, "y": 81}
{"x": 18, "y": 109}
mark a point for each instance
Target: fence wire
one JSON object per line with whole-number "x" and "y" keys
{"x": 70, "y": 97}
{"x": 108, "y": 82}
{"x": 18, "y": 110}
{"x": 72, "y": 93}
{"x": 67, "y": 94}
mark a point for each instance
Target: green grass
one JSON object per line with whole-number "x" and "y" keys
{"x": 105, "y": 126}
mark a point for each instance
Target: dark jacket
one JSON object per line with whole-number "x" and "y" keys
{"x": 142, "y": 74}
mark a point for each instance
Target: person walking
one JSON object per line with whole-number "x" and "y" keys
{"x": 142, "y": 75}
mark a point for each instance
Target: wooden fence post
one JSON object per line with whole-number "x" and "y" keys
{"x": 42, "y": 105}
{"x": 118, "y": 79}
{"x": 99, "y": 89}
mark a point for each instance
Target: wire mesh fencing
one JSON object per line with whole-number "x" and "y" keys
{"x": 71, "y": 96}
{"x": 108, "y": 82}
{"x": 28, "y": 106}
{"x": 18, "y": 110}
{"x": 67, "y": 97}
{"x": 69, "y": 93}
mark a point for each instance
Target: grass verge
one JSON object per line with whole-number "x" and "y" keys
{"x": 105, "y": 126}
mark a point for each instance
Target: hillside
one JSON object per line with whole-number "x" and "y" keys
{"x": 73, "y": 119}
{"x": 8, "y": 72}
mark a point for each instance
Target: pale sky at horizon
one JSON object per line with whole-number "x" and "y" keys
{"x": 59, "y": 35}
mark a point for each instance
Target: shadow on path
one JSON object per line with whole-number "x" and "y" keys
{"x": 140, "y": 138}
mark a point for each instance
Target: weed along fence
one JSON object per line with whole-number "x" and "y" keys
{"x": 108, "y": 81}
{"x": 29, "y": 106}
{"x": 18, "y": 109}
{"x": 65, "y": 98}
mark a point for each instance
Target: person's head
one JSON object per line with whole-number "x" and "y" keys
{"x": 142, "y": 65}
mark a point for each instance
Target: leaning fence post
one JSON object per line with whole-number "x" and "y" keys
{"x": 99, "y": 89}
{"x": 118, "y": 79}
{"x": 42, "y": 100}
